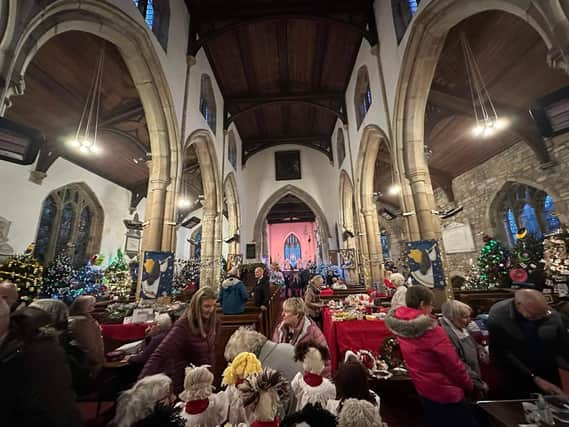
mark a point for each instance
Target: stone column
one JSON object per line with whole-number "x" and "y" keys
{"x": 208, "y": 248}
{"x": 374, "y": 245}
{"x": 217, "y": 249}
{"x": 154, "y": 213}
{"x": 423, "y": 206}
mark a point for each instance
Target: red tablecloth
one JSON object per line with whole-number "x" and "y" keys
{"x": 352, "y": 335}
{"x": 122, "y": 332}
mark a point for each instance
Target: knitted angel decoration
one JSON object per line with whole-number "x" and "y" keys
{"x": 202, "y": 407}
{"x": 243, "y": 366}
{"x": 262, "y": 393}
{"x": 312, "y": 387}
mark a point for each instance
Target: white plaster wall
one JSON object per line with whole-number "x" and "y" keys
{"x": 319, "y": 179}
{"x": 23, "y": 206}
{"x": 376, "y": 114}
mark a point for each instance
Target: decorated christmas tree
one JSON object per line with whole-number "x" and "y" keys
{"x": 556, "y": 261}
{"x": 88, "y": 280}
{"x": 118, "y": 277}
{"x": 527, "y": 259}
{"x": 58, "y": 281}
{"x": 25, "y": 272}
{"x": 493, "y": 264}
{"x": 473, "y": 280}
{"x": 186, "y": 278}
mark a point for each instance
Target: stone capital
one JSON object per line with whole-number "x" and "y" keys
{"x": 559, "y": 59}
{"x": 374, "y": 50}
{"x": 191, "y": 60}
{"x": 37, "y": 177}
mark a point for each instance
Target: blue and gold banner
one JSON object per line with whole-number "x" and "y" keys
{"x": 157, "y": 274}
{"x": 425, "y": 263}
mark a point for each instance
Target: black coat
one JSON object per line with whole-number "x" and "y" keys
{"x": 36, "y": 382}
{"x": 520, "y": 354}
{"x": 262, "y": 292}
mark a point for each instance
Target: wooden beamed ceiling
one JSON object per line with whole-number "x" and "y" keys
{"x": 290, "y": 209}
{"x": 283, "y": 68}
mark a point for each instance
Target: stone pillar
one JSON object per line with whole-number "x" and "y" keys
{"x": 208, "y": 248}
{"x": 217, "y": 248}
{"x": 423, "y": 203}
{"x": 154, "y": 221}
{"x": 374, "y": 246}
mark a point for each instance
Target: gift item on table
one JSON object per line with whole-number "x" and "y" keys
{"x": 376, "y": 367}
{"x": 311, "y": 386}
{"x": 202, "y": 407}
{"x": 262, "y": 393}
{"x": 243, "y": 366}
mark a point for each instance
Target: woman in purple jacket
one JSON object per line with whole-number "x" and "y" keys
{"x": 190, "y": 341}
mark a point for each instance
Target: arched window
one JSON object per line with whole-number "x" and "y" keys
{"x": 71, "y": 220}
{"x": 385, "y": 245}
{"x": 292, "y": 250}
{"x": 362, "y": 96}
{"x": 232, "y": 150}
{"x": 403, "y": 11}
{"x": 197, "y": 244}
{"x": 341, "y": 147}
{"x": 522, "y": 206}
{"x": 156, "y": 14}
{"x": 207, "y": 102}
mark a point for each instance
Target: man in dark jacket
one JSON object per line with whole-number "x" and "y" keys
{"x": 261, "y": 290}
{"x": 526, "y": 341}
{"x": 37, "y": 386}
{"x": 233, "y": 294}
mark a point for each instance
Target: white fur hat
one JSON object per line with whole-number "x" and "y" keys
{"x": 359, "y": 413}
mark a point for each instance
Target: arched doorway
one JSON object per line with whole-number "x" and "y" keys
{"x": 322, "y": 229}
{"x": 202, "y": 142}
{"x": 138, "y": 52}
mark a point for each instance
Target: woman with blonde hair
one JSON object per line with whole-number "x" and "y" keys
{"x": 190, "y": 341}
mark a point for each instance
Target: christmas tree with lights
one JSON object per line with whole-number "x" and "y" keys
{"x": 186, "y": 278}
{"x": 527, "y": 258}
{"x": 59, "y": 279}
{"x": 493, "y": 264}
{"x": 473, "y": 281}
{"x": 118, "y": 277}
{"x": 88, "y": 280}
{"x": 25, "y": 272}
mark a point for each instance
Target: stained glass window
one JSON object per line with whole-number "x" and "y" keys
{"x": 529, "y": 221}
{"x": 82, "y": 236}
{"x": 149, "y": 17}
{"x": 551, "y": 219}
{"x": 367, "y": 100}
{"x": 511, "y": 225}
{"x": 156, "y": 14}
{"x": 413, "y": 6}
{"x": 47, "y": 218}
{"x": 207, "y": 102}
{"x": 232, "y": 151}
{"x": 198, "y": 245}
{"x": 67, "y": 218}
{"x": 292, "y": 250}
{"x": 362, "y": 96}
{"x": 385, "y": 245}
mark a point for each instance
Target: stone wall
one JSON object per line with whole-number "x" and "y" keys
{"x": 476, "y": 189}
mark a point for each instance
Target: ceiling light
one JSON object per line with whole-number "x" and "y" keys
{"x": 501, "y": 123}
{"x": 184, "y": 203}
{"x": 394, "y": 189}
{"x": 74, "y": 142}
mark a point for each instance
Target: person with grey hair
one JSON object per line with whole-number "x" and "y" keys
{"x": 527, "y": 341}
{"x": 9, "y": 293}
{"x": 398, "y": 299}
{"x": 233, "y": 294}
{"x": 148, "y": 403}
{"x": 279, "y": 356}
{"x": 155, "y": 333}
{"x": 456, "y": 317}
{"x": 86, "y": 331}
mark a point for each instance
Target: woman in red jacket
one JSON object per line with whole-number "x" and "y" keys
{"x": 437, "y": 372}
{"x": 190, "y": 341}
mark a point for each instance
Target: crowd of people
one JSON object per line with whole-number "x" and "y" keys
{"x": 282, "y": 380}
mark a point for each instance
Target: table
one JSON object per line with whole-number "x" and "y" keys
{"x": 507, "y": 412}
{"x": 352, "y": 335}
{"x": 124, "y": 332}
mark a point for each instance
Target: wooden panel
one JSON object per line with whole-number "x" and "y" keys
{"x": 302, "y": 52}
{"x": 227, "y": 62}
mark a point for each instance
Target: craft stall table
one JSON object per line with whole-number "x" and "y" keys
{"x": 118, "y": 334}
{"x": 352, "y": 335}
{"x": 506, "y": 413}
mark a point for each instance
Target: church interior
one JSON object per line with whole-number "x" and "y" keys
{"x": 230, "y": 212}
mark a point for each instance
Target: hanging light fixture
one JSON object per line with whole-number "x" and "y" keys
{"x": 487, "y": 120}
{"x": 85, "y": 139}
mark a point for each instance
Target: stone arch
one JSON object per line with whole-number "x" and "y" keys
{"x": 347, "y": 220}
{"x": 259, "y": 228}
{"x": 424, "y": 42}
{"x": 372, "y": 139}
{"x": 134, "y": 42}
{"x": 233, "y": 212}
{"x": 494, "y": 212}
{"x": 204, "y": 145}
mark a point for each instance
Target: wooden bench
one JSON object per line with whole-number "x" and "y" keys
{"x": 343, "y": 293}
{"x": 481, "y": 301}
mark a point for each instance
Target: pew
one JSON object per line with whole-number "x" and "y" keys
{"x": 340, "y": 294}
{"x": 481, "y": 301}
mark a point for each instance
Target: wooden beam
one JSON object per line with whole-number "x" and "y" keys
{"x": 285, "y": 96}
{"x": 271, "y": 142}
{"x": 120, "y": 115}
{"x": 286, "y": 139}
{"x": 282, "y": 50}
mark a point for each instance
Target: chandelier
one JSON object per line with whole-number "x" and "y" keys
{"x": 85, "y": 139}
{"x": 487, "y": 120}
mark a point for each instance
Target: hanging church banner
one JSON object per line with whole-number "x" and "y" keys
{"x": 157, "y": 275}
{"x": 425, "y": 265}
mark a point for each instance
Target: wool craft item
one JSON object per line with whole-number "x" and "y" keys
{"x": 243, "y": 366}
{"x": 262, "y": 393}
{"x": 201, "y": 406}
{"x": 311, "y": 386}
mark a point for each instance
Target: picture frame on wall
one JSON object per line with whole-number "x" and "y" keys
{"x": 287, "y": 165}
{"x": 250, "y": 251}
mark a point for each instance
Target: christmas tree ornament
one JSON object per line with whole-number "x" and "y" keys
{"x": 25, "y": 272}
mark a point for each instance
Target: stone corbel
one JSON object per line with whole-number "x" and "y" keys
{"x": 558, "y": 58}
{"x": 14, "y": 88}
{"x": 47, "y": 157}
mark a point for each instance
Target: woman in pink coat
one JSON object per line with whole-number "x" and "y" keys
{"x": 437, "y": 372}
{"x": 297, "y": 327}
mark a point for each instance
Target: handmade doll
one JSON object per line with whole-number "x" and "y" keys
{"x": 312, "y": 387}
{"x": 243, "y": 365}
{"x": 262, "y": 393}
{"x": 202, "y": 407}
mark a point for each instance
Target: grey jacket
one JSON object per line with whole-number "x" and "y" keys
{"x": 467, "y": 351}
{"x": 280, "y": 356}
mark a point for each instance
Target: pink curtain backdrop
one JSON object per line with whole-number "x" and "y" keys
{"x": 304, "y": 231}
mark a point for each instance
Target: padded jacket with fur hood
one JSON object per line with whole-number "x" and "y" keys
{"x": 435, "y": 368}
{"x": 233, "y": 296}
